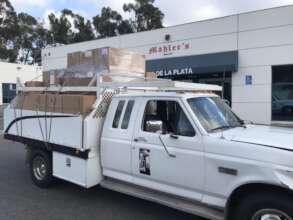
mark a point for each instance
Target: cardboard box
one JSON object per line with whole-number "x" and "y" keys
{"x": 77, "y": 104}
{"x": 61, "y": 77}
{"x": 65, "y": 103}
{"x": 71, "y": 81}
{"x": 38, "y": 102}
{"x": 151, "y": 75}
{"x": 82, "y": 67}
{"x": 107, "y": 59}
{"x": 34, "y": 84}
{"x": 53, "y": 77}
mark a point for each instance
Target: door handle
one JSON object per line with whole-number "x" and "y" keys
{"x": 166, "y": 149}
{"x": 140, "y": 139}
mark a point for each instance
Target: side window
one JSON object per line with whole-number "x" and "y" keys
{"x": 166, "y": 117}
{"x": 127, "y": 114}
{"x": 118, "y": 113}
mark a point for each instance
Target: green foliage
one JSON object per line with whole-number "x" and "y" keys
{"x": 25, "y": 41}
{"x": 110, "y": 23}
{"x": 84, "y": 29}
{"x": 43, "y": 38}
{"x": 70, "y": 28}
{"x": 60, "y": 28}
{"x": 147, "y": 16}
{"x": 22, "y": 36}
{"x": 8, "y": 31}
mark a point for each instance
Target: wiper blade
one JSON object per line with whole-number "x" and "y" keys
{"x": 221, "y": 127}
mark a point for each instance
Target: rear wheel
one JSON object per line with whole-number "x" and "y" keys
{"x": 41, "y": 168}
{"x": 269, "y": 206}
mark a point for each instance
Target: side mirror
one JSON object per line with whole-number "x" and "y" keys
{"x": 154, "y": 126}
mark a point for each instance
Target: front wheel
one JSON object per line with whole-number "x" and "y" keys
{"x": 41, "y": 168}
{"x": 269, "y": 206}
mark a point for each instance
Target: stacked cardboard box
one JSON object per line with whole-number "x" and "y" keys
{"x": 82, "y": 66}
{"x": 80, "y": 71}
{"x": 151, "y": 75}
{"x": 65, "y": 103}
{"x": 108, "y": 60}
{"x": 34, "y": 84}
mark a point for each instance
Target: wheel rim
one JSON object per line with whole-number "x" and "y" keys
{"x": 270, "y": 214}
{"x": 39, "y": 168}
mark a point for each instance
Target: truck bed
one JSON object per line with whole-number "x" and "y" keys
{"x": 66, "y": 130}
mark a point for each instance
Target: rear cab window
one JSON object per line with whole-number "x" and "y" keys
{"x": 127, "y": 114}
{"x": 123, "y": 114}
{"x": 118, "y": 113}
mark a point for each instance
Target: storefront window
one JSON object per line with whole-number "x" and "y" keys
{"x": 282, "y": 93}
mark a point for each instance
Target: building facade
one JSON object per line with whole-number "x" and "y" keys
{"x": 9, "y": 72}
{"x": 249, "y": 54}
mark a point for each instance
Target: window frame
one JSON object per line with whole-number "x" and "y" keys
{"x": 272, "y": 99}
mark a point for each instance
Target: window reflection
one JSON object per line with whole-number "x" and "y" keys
{"x": 282, "y": 93}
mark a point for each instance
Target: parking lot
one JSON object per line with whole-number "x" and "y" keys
{"x": 20, "y": 199}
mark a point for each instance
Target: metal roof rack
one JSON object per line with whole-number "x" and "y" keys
{"x": 128, "y": 82}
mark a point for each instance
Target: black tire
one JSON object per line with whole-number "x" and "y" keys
{"x": 260, "y": 205}
{"x": 40, "y": 165}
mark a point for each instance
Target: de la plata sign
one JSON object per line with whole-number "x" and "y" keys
{"x": 175, "y": 72}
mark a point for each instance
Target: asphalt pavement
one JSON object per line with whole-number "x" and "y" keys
{"x": 20, "y": 199}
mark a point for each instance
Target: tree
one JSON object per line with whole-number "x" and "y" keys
{"x": 60, "y": 28}
{"x": 43, "y": 38}
{"x": 147, "y": 16}
{"x": 8, "y": 31}
{"x": 70, "y": 27}
{"x": 25, "y": 41}
{"x": 84, "y": 29}
{"x": 125, "y": 27}
{"x": 110, "y": 23}
{"x": 32, "y": 37}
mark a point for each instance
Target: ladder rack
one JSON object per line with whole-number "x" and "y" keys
{"x": 133, "y": 83}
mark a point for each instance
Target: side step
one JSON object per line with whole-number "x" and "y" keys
{"x": 171, "y": 201}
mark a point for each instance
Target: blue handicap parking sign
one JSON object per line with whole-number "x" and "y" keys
{"x": 248, "y": 79}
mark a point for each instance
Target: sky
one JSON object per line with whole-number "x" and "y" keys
{"x": 176, "y": 11}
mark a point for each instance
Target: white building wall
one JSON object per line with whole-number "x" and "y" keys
{"x": 10, "y": 71}
{"x": 263, "y": 38}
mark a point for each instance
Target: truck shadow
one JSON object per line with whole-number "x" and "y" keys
{"x": 120, "y": 204}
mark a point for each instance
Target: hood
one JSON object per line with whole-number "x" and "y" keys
{"x": 270, "y": 136}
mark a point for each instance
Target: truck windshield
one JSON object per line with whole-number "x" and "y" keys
{"x": 213, "y": 113}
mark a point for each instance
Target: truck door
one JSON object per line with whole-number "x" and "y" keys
{"x": 172, "y": 162}
{"x": 116, "y": 141}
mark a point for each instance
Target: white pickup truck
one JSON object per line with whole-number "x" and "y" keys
{"x": 182, "y": 149}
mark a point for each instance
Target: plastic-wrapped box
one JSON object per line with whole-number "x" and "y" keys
{"x": 82, "y": 67}
{"x": 49, "y": 102}
{"x": 110, "y": 60}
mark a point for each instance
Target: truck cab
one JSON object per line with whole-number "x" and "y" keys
{"x": 192, "y": 146}
{"x": 147, "y": 138}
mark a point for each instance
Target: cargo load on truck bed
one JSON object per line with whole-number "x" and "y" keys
{"x": 82, "y": 70}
